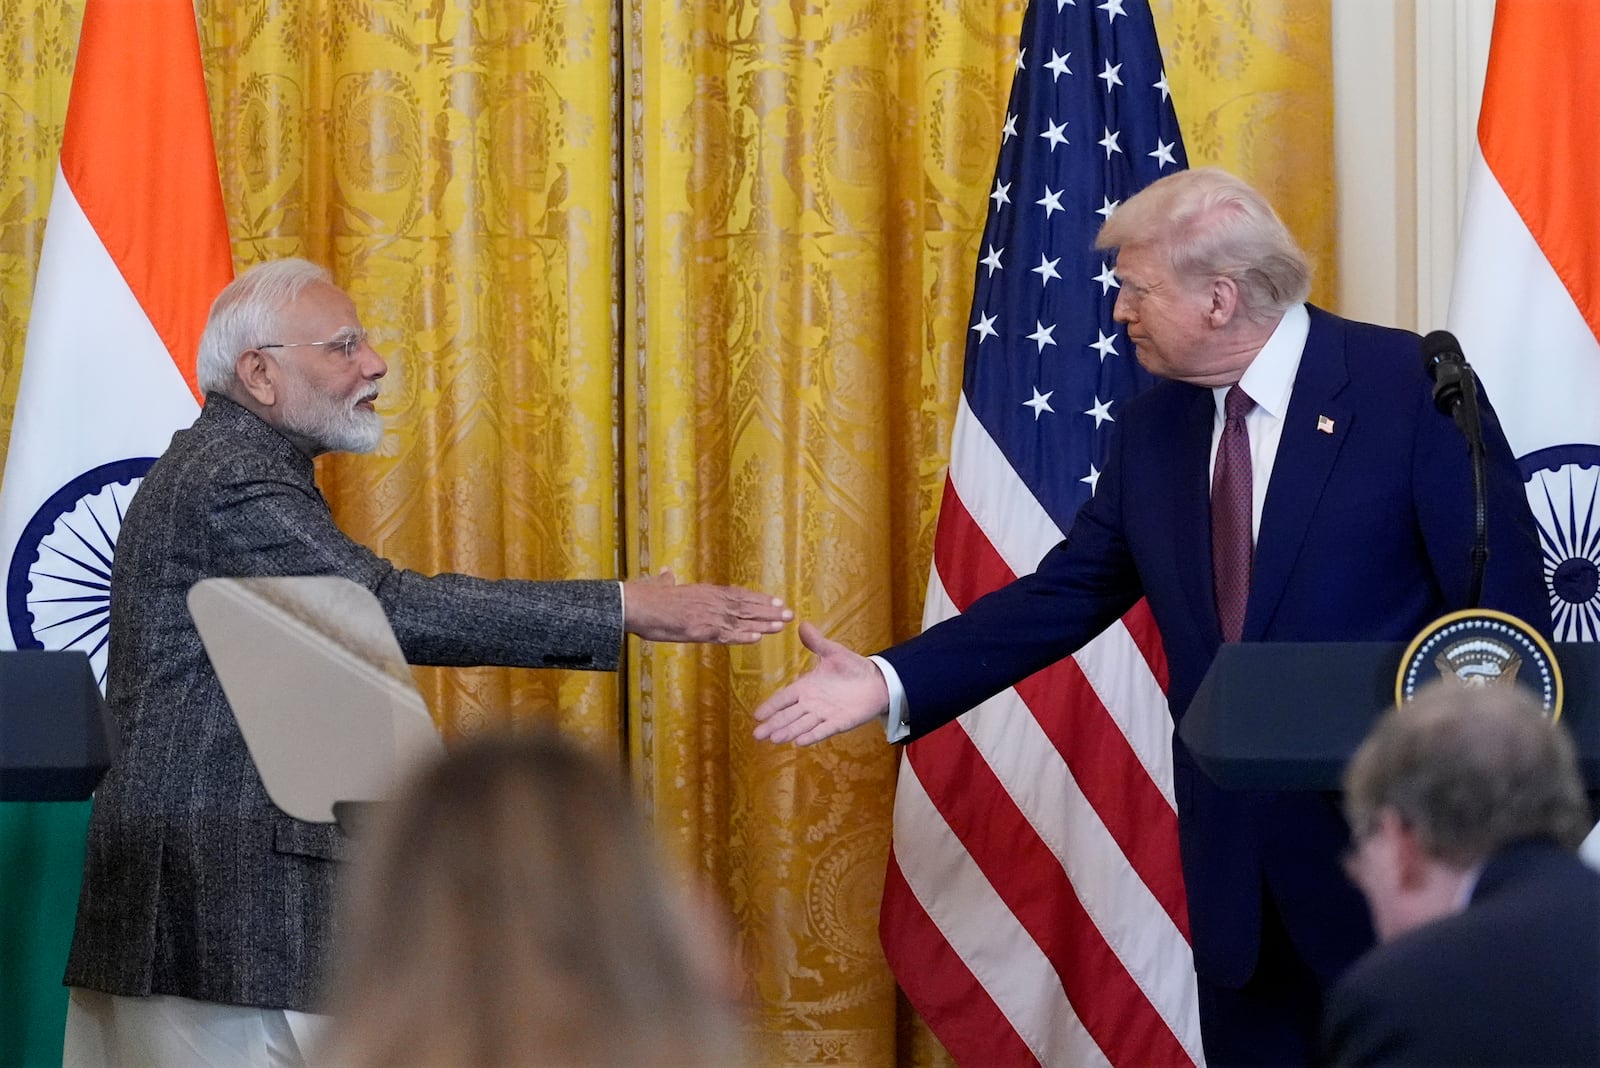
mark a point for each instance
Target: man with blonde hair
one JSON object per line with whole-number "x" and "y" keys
{"x": 1466, "y": 807}
{"x": 1291, "y": 480}
{"x": 205, "y": 920}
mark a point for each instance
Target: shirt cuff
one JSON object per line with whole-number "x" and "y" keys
{"x": 897, "y": 723}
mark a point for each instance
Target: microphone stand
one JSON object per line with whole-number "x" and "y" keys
{"x": 1464, "y": 410}
{"x": 1455, "y": 393}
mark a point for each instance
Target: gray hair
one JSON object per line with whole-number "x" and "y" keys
{"x": 1213, "y": 225}
{"x": 245, "y": 314}
{"x": 1469, "y": 769}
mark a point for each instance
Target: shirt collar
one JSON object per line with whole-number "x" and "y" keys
{"x": 1270, "y": 377}
{"x": 1469, "y": 885}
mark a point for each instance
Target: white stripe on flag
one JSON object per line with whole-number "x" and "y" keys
{"x": 1121, "y": 678}
{"x": 97, "y": 383}
{"x": 1003, "y": 508}
{"x": 1132, "y": 922}
{"x": 984, "y": 933}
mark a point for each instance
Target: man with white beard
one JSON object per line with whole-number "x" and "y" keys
{"x": 205, "y": 918}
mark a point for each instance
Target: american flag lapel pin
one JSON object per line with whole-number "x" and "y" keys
{"x": 1324, "y": 424}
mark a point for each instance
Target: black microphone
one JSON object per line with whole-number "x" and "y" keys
{"x": 1455, "y": 393}
{"x": 1441, "y": 356}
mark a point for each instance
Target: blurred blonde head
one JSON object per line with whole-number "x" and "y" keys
{"x": 509, "y": 908}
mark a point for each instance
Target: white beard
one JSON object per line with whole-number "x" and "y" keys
{"x": 328, "y": 422}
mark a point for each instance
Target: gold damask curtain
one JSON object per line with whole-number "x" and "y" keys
{"x": 453, "y": 165}
{"x": 808, "y": 183}
{"x": 667, "y": 284}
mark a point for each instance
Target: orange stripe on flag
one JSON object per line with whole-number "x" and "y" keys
{"x": 1537, "y": 131}
{"x": 139, "y": 156}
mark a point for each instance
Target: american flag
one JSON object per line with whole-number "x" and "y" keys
{"x": 1033, "y": 908}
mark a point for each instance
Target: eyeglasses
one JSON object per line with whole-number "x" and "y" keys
{"x": 1350, "y": 860}
{"x": 346, "y": 345}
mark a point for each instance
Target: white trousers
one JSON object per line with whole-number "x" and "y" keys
{"x": 107, "y": 1031}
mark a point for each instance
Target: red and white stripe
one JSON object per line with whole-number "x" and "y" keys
{"x": 1526, "y": 301}
{"x": 1034, "y": 908}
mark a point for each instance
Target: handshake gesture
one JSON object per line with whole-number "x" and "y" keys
{"x": 842, "y": 691}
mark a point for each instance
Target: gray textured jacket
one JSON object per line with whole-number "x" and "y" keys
{"x": 194, "y": 883}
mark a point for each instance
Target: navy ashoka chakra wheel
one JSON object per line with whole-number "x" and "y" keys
{"x": 1563, "y": 484}
{"x": 58, "y": 587}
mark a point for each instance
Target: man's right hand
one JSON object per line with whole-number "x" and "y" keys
{"x": 842, "y": 691}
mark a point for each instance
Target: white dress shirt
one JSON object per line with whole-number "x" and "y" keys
{"x": 1268, "y": 381}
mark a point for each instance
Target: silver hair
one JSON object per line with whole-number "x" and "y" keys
{"x": 246, "y": 314}
{"x": 1213, "y": 225}
{"x": 1469, "y": 769}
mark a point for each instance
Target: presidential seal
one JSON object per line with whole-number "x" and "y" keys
{"x": 1481, "y": 647}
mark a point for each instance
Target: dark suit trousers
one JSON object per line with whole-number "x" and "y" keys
{"x": 1271, "y": 1020}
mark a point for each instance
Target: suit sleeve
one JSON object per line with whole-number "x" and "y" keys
{"x": 1083, "y": 585}
{"x": 1442, "y": 475}
{"x": 264, "y": 525}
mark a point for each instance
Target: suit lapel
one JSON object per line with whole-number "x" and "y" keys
{"x": 1313, "y": 432}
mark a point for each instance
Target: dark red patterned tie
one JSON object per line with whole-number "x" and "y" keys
{"x": 1232, "y": 546}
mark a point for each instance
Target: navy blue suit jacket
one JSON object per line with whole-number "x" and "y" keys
{"x": 1365, "y": 535}
{"x": 1514, "y": 979}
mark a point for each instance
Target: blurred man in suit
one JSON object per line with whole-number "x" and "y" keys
{"x": 1290, "y": 481}
{"x": 204, "y": 923}
{"x": 1466, "y": 807}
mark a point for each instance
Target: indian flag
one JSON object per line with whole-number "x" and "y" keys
{"x": 1526, "y": 302}
{"x": 135, "y": 248}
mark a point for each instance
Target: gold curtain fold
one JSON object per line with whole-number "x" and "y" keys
{"x": 807, "y": 184}
{"x": 1252, "y": 81}
{"x": 453, "y": 165}
{"x": 680, "y": 284}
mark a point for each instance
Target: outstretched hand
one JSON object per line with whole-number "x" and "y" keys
{"x": 660, "y": 610}
{"x": 842, "y": 691}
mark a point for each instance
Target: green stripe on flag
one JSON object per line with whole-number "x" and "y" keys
{"x": 41, "y": 864}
